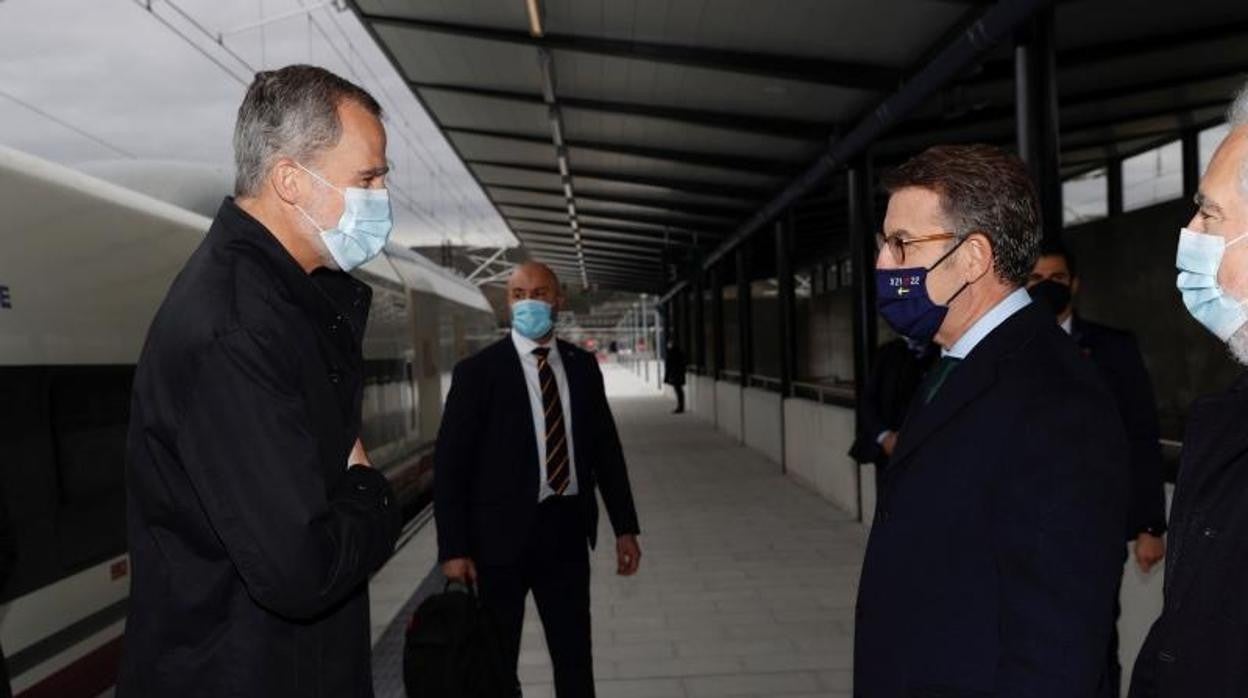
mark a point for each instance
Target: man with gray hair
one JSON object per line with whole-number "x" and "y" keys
{"x": 254, "y": 515}
{"x": 1199, "y": 644}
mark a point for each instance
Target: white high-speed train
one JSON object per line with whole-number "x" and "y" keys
{"x": 84, "y": 263}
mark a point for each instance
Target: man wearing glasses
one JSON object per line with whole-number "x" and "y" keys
{"x": 995, "y": 553}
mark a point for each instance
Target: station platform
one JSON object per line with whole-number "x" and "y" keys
{"x": 747, "y": 580}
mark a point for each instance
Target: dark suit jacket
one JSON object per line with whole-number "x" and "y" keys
{"x": 994, "y": 559}
{"x": 485, "y": 464}
{"x": 1118, "y": 358}
{"x": 1199, "y": 644}
{"x": 884, "y": 404}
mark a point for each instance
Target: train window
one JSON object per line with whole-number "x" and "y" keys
{"x": 90, "y": 411}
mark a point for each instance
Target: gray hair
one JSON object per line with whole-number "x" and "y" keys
{"x": 1237, "y": 116}
{"x": 291, "y": 112}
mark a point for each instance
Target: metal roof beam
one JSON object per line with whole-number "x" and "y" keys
{"x": 1125, "y": 48}
{"x": 683, "y": 157}
{"x": 702, "y": 188}
{"x": 639, "y": 258}
{"x": 993, "y": 24}
{"x": 587, "y": 242}
{"x": 675, "y": 225}
{"x": 594, "y": 234}
{"x": 750, "y": 123}
{"x": 819, "y": 71}
{"x": 724, "y": 212}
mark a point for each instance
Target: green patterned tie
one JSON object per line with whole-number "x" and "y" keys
{"x": 937, "y": 376}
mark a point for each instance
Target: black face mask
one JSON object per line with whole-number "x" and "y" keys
{"x": 1053, "y": 294}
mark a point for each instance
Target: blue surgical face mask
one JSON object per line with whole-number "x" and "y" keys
{"x": 532, "y": 318}
{"x": 901, "y": 297}
{"x": 363, "y": 228}
{"x": 1198, "y": 261}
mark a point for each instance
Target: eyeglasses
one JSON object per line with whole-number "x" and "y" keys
{"x": 897, "y": 245}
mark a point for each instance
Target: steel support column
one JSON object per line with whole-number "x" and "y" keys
{"x": 1191, "y": 163}
{"x": 699, "y": 321}
{"x": 1036, "y": 114}
{"x": 745, "y": 318}
{"x": 717, "y": 321}
{"x": 1113, "y": 187}
{"x": 862, "y": 255}
{"x": 787, "y": 303}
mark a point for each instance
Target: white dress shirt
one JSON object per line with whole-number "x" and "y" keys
{"x": 1069, "y": 324}
{"x": 991, "y": 320}
{"x": 525, "y": 347}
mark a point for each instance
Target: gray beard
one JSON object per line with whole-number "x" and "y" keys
{"x": 1238, "y": 345}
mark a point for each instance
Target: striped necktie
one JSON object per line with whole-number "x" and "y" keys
{"x": 557, "y": 475}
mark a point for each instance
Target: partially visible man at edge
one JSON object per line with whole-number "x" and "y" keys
{"x": 251, "y": 538}
{"x": 1199, "y": 644}
{"x": 994, "y": 558}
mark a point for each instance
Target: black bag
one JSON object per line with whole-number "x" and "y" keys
{"x": 453, "y": 650}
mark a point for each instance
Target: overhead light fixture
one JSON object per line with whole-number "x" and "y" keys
{"x": 535, "y": 18}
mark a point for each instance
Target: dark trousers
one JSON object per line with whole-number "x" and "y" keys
{"x": 680, "y": 397}
{"x": 555, "y": 567}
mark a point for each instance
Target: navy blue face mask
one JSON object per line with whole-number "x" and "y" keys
{"x": 901, "y": 297}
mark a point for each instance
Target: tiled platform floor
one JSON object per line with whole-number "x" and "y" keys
{"x": 747, "y": 581}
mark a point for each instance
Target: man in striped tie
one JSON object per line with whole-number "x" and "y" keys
{"x": 526, "y": 436}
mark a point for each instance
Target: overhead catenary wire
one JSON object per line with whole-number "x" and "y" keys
{"x": 55, "y": 119}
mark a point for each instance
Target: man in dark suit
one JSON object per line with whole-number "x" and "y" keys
{"x": 995, "y": 553}
{"x": 1199, "y": 644}
{"x": 899, "y": 368}
{"x": 674, "y": 374}
{"x": 1054, "y": 283}
{"x": 526, "y": 436}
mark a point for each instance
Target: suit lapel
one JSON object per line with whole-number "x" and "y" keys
{"x": 576, "y": 392}
{"x": 517, "y": 392}
{"x": 971, "y": 379}
{"x": 967, "y": 382}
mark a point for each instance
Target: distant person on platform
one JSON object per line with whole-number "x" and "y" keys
{"x": 526, "y": 438}
{"x": 994, "y": 558}
{"x": 899, "y": 368}
{"x": 254, "y": 516}
{"x": 674, "y": 374}
{"x": 1199, "y": 645}
{"x": 1054, "y": 283}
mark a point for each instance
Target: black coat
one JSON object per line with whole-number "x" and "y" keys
{"x": 674, "y": 367}
{"x": 1117, "y": 357}
{"x": 886, "y": 399}
{"x": 251, "y": 542}
{"x": 994, "y": 558}
{"x": 485, "y": 464}
{"x": 1199, "y": 645}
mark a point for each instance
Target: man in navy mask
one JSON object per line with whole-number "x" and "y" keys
{"x": 1197, "y": 647}
{"x": 526, "y": 437}
{"x": 996, "y": 549}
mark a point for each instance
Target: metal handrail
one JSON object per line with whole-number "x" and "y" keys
{"x": 765, "y": 382}
{"x": 823, "y": 393}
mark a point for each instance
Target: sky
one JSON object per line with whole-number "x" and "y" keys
{"x": 84, "y": 81}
